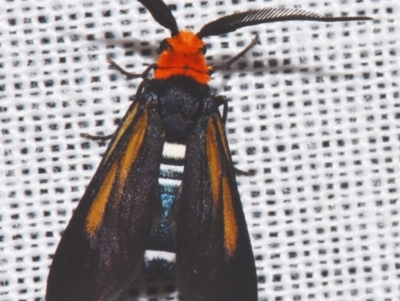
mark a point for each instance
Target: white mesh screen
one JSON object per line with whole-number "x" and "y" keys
{"x": 314, "y": 110}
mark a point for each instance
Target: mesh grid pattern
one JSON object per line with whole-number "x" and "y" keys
{"x": 314, "y": 110}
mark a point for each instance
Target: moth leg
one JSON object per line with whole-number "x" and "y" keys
{"x": 93, "y": 137}
{"x": 131, "y": 75}
{"x": 235, "y": 58}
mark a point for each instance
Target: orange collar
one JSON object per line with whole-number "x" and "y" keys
{"x": 184, "y": 56}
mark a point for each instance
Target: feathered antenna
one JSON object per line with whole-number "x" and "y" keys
{"x": 161, "y": 13}
{"x": 252, "y": 17}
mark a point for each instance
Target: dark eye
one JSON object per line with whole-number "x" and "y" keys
{"x": 204, "y": 49}
{"x": 163, "y": 46}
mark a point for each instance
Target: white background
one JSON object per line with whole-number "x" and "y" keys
{"x": 314, "y": 110}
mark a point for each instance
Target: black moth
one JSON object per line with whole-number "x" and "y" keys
{"x": 167, "y": 183}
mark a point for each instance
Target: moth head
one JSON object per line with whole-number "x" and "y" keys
{"x": 185, "y": 42}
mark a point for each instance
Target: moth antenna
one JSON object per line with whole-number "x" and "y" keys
{"x": 161, "y": 13}
{"x": 252, "y": 17}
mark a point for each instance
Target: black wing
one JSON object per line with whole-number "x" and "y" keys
{"x": 101, "y": 251}
{"x": 214, "y": 258}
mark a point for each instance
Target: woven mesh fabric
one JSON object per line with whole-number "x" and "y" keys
{"x": 314, "y": 109}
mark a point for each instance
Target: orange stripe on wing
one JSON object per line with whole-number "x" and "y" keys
{"x": 213, "y": 160}
{"x": 97, "y": 210}
{"x": 123, "y": 128}
{"x": 221, "y": 132}
{"x": 98, "y": 207}
{"x": 230, "y": 226}
{"x": 132, "y": 149}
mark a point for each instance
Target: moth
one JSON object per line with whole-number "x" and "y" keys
{"x": 166, "y": 182}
